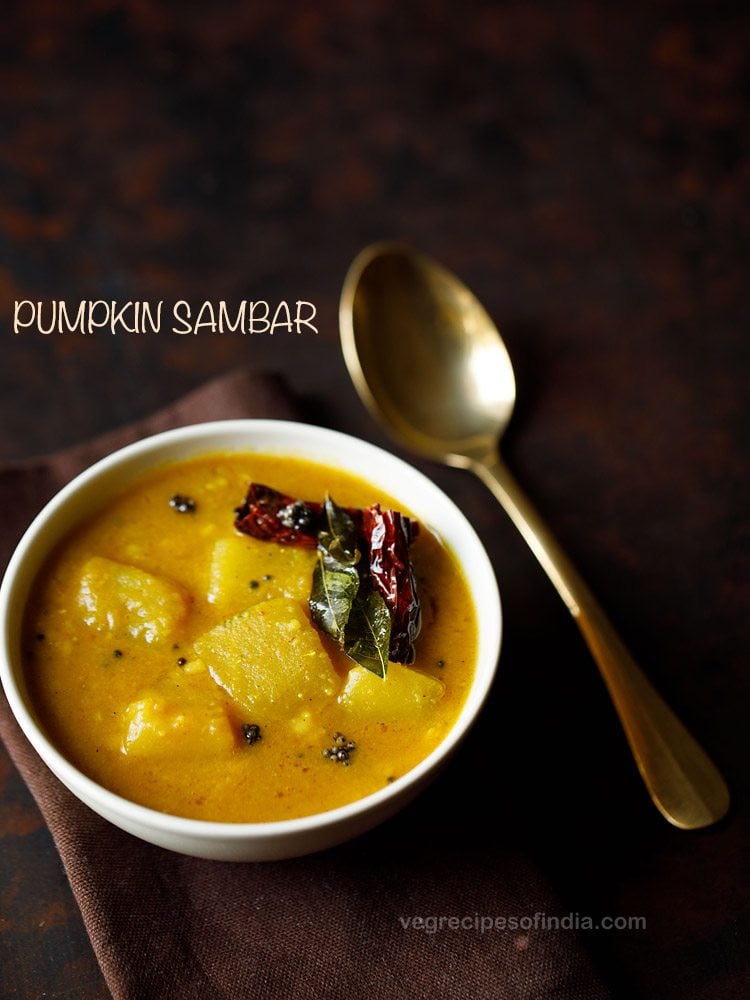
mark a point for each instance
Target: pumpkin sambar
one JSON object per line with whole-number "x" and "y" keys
{"x": 173, "y": 659}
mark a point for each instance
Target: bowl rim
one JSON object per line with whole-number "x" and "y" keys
{"x": 191, "y": 436}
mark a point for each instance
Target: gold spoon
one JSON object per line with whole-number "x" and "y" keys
{"x": 430, "y": 364}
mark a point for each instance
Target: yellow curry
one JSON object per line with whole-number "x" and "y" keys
{"x": 174, "y": 660}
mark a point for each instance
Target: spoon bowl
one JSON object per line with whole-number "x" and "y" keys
{"x": 425, "y": 355}
{"x": 430, "y": 365}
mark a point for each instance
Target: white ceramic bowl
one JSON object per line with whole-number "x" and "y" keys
{"x": 89, "y": 492}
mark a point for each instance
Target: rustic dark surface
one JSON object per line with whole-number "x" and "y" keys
{"x": 584, "y": 168}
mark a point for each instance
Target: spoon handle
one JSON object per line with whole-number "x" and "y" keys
{"x": 683, "y": 782}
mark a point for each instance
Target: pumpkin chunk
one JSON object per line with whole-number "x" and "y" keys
{"x": 270, "y": 654}
{"x": 404, "y": 695}
{"x": 179, "y": 718}
{"x": 118, "y": 598}
{"x": 245, "y": 571}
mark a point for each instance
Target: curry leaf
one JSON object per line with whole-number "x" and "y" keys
{"x": 344, "y": 604}
{"x": 334, "y": 588}
{"x": 368, "y": 632}
{"x": 340, "y": 540}
{"x": 336, "y": 577}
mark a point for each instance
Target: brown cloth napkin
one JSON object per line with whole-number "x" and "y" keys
{"x": 336, "y": 924}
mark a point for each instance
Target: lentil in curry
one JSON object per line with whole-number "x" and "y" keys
{"x": 173, "y": 659}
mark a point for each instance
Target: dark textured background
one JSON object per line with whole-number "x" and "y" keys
{"x": 584, "y": 167}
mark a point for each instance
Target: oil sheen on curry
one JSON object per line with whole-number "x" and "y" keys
{"x": 215, "y": 649}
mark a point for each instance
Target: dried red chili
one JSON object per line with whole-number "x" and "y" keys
{"x": 389, "y": 535}
{"x": 274, "y": 517}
